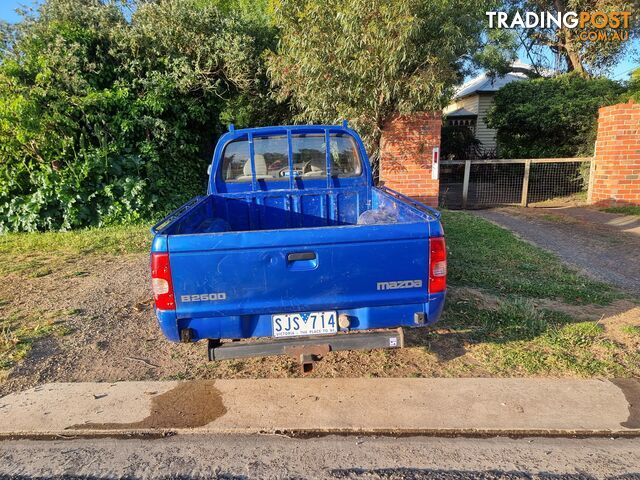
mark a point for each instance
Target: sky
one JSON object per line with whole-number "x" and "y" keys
{"x": 7, "y": 9}
{"x": 7, "y": 13}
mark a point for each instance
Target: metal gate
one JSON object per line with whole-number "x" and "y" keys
{"x": 487, "y": 183}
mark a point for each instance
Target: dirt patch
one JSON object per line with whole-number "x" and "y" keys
{"x": 619, "y": 312}
{"x": 481, "y": 299}
{"x": 111, "y": 331}
{"x": 112, "y": 334}
{"x": 576, "y": 200}
{"x": 188, "y": 405}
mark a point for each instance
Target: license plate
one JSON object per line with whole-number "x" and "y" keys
{"x": 299, "y": 324}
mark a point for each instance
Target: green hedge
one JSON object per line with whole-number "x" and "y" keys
{"x": 110, "y": 117}
{"x": 550, "y": 117}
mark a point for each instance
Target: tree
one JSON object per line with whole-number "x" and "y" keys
{"x": 634, "y": 85}
{"x": 367, "y": 60}
{"x": 550, "y": 117}
{"x": 578, "y": 54}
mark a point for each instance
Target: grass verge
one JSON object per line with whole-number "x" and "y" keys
{"x": 34, "y": 255}
{"x": 111, "y": 240}
{"x": 624, "y": 210}
{"x": 513, "y": 310}
{"x": 516, "y": 338}
{"x": 511, "y": 335}
{"x": 40, "y": 254}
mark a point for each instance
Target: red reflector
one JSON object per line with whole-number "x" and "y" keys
{"x": 437, "y": 265}
{"x": 161, "y": 282}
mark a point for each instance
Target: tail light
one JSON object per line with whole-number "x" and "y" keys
{"x": 438, "y": 265}
{"x": 161, "y": 282}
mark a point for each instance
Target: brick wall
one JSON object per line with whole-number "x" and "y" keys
{"x": 406, "y": 155}
{"x": 616, "y": 175}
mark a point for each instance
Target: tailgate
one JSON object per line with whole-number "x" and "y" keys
{"x": 299, "y": 270}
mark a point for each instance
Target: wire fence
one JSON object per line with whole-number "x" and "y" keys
{"x": 486, "y": 183}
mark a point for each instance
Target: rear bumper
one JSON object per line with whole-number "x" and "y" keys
{"x": 253, "y": 326}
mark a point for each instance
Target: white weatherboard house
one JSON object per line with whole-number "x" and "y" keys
{"x": 472, "y": 101}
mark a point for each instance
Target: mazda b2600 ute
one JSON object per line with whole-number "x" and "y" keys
{"x": 294, "y": 242}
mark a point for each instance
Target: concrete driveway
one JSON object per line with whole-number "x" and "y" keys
{"x": 605, "y": 246}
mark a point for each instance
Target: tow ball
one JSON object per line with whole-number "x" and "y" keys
{"x": 307, "y": 355}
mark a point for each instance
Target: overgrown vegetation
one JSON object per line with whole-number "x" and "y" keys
{"x": 107, "y": 119}
{"x": 550, "y": 117}
{"x": 109, "y": 109}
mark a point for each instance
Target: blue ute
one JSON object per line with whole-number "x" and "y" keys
{"x": 294, "y": 242}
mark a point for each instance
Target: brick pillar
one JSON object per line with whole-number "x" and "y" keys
{"x": 406, "y": 154}
{"x": 616, "y": 173}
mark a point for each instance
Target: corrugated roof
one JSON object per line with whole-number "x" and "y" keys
{"x": 485, "y": 83}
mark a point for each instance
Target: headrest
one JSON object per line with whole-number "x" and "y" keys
{"x": 261, "y": 166}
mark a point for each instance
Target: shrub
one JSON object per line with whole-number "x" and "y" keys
{"x": 550, "y": 117}
{"x": 634, "y": 86}
{"x": 459, "y": 142}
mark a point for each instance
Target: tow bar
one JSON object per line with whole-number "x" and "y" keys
{"x": 307, "y": 350}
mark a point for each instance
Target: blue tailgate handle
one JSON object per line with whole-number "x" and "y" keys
{"x": 294, "y": 257}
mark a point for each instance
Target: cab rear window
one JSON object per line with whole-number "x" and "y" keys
{"x": 271, "y": 157}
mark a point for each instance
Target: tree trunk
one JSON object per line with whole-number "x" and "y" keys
{"x": 571, "y": 54}
{"x": 571, "y": 51}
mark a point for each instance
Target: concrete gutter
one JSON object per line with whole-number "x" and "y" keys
{"x": 436, "y": 406}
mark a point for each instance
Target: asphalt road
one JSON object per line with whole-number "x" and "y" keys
{"x": 276, "y": 457}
